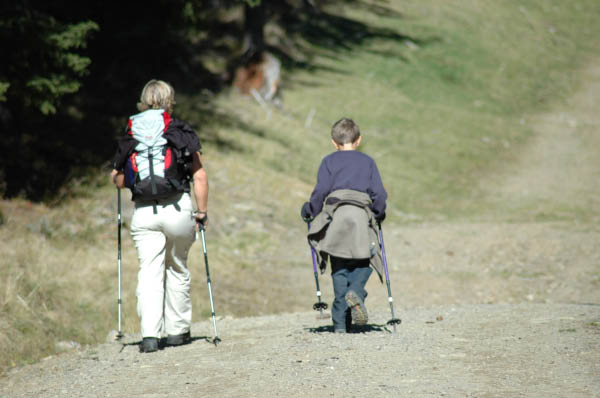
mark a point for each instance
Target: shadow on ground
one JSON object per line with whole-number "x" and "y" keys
{"x": 355, "y": 329}
{"x": 162, "y": 343}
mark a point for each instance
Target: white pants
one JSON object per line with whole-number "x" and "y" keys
{"x": 163, "y": 238}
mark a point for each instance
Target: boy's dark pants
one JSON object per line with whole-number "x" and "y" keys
{"x": 347, "y": 274}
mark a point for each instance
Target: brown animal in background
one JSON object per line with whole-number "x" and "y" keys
{"x": 259, "y": 77}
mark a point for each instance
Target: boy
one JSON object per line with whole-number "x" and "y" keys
{"x": 344, "y": 209}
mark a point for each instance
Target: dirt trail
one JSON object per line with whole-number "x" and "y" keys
{"x": 488, "y": 310}
{"x": 560, "y": 168}
{"x": 532, "y": 350}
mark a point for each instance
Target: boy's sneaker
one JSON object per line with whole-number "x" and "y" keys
{"x": 339, "y": 331}
{"x": 179, "y": 339}
{"x": 357, "y": 308}
{"x": 149, "y": 344}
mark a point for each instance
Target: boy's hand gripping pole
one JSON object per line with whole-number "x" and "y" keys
{"x": 394, "y": 321}
{"x": 216, "y": 340}
{"x": 119, "y": 334}
{"x": 319, "y": 305}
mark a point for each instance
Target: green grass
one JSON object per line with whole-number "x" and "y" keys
{"x": 438, "y": 113}
{"x": 435, "y": 117}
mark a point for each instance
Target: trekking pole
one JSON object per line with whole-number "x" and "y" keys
{"x": 394, "y": 321}
{"x": 318, "y": 306}
{"x": 216, "y": 339}
{"x": 119, "y": 334}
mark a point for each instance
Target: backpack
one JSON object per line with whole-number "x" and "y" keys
{"x": 156, "y": 168}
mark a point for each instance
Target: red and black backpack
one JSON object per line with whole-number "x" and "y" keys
{"x": 157, "y": 167}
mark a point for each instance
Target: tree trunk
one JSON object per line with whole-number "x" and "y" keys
{"x": 254, "y": 23}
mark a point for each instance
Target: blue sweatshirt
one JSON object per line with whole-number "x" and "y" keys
{"x": 348, "y": 170}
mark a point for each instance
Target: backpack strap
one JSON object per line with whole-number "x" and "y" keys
{"x": 151, "y": 170}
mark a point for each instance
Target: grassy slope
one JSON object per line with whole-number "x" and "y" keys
{"x": 438, "y": 116}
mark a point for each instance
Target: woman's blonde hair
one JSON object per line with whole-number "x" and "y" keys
{"x": 157, "y": 94}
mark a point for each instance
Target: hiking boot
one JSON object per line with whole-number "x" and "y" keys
{"x": 179, "y": 339}
{"x": 357, "y": 308}
{"x": 149, "y": 344}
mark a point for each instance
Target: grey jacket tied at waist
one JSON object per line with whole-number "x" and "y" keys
{"x": 346, "y": 228}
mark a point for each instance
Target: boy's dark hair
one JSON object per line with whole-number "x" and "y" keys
{"x": 345, "y": 131}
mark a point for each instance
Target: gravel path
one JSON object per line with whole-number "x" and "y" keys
{"x": 530, "y": 350}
